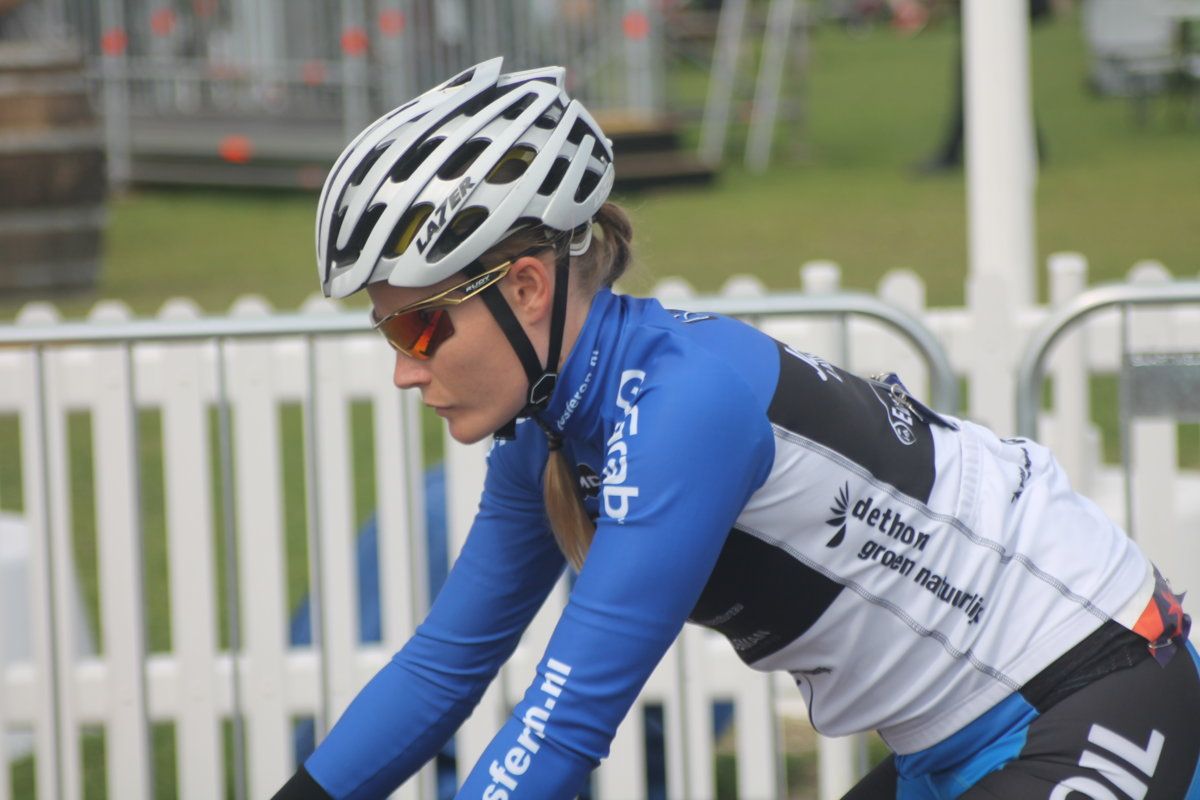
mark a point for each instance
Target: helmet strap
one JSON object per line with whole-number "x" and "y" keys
{"x": 541, "y": 379}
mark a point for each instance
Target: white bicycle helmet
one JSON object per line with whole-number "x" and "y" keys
{"x": 430, "y": 186}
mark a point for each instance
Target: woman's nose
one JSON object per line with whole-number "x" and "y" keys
{"x": 409, "y": 372}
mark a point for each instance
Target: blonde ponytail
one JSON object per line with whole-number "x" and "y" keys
{"x": 605, "y": 261}
{"x": 610, "y": 254}
{"x": 573, "y": 529}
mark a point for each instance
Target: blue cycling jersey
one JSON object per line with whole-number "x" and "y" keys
{"x": 894, "y": 562}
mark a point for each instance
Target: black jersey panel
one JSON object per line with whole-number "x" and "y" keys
{"x": 760, "y": 597}
{"x": 860, "y": 420}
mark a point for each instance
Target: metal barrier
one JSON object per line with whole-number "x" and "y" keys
{"x": 223, "y": 361}
{"x": 842, "y": 306}
{"x": 1164, "y": 384}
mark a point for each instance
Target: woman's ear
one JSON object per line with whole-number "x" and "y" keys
{"x": 529, "y": 288}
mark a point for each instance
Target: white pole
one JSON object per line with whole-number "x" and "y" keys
{"x": 115, "y": 70}
{"x": 1001, "y": 172}
{"x": 730, "y": 26}
{"x": 356, "y": 101}
{"x": 1001, "y": 168}
{"x": 639, "y": 67}
{"x": 770, "y": 80}
{"x": 841, "y": 762}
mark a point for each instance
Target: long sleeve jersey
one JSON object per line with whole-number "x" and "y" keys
{"x": 910, "y": 571}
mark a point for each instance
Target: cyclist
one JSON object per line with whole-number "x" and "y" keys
{"x": 916, "y": 574}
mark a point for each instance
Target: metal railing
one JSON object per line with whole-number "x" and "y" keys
{"x": 1031, "y": 371}
{"x": 1032, "y": 367}
{"x": 842, "y": 305}
{"x": 944, "y": 394}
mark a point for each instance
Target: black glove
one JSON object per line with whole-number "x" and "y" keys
{"x": 301, "y": 786}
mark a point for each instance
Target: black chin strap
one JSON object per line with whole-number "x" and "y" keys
{"x": 542, "y": 379}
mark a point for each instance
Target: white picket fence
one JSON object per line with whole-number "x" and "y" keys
{"x": 56, "y": 692}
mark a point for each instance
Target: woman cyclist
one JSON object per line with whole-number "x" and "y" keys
{"x": 914, "y": 573}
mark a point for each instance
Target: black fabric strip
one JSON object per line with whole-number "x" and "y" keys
{"x": 302, "y": 787}
{"x": 860, "y": 420}
{"x": 750, "y": 597}
{"x": 513, "y": 331}
{"x": 541, "y": 379}
{"x": 1109, "y": 648}
{"x": 558, "y": 316}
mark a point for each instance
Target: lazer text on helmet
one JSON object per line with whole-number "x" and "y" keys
{"x": 446, "y": 208}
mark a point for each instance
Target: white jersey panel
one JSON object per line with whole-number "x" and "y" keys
{"x": 919, "y": 661}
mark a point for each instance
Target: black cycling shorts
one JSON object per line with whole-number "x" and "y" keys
{"x": 1131, "y": 733}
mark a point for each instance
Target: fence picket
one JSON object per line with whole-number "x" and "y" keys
{"x": 11, "y": 373}
{"x": 186, "y": 369}
{"x": 119, "y": 550}
{"x": 696, "y": 701}
{"x": 466, "y": 462}
{"x": 258, "y": 506}
{"x": 992, "y": 352}
{"x": 1070, "y": 429}
{"x": 622, "y": 774}
{"x": 400, "y": 498}
{"x": 874, "y": 349}
{"x": 670, "y": 681}
{"x": 1154, "y": 449}
{"x": 327, "y": 415}
{"x": 823, "y": 337}
{"x": 756, "y": 737}
{"x": 400, "y": 501}
{"x": 48, "y": 509}
{"x": 22, "y": 371}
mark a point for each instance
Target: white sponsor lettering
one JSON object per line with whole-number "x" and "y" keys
{"x": 823, "y": 368}
{"x": 1144, "y": 759}
{"x": 616, "y": 464}
{"x": 519, "y": 757}
{"x": 689, "y": 317}
{"x": 576, "y": 398}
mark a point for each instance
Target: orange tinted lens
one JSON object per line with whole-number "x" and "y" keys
{"x": 418, "y": 333}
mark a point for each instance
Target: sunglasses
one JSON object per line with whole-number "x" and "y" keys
{"x": 419, "y": 328}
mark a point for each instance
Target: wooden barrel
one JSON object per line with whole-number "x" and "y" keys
{"x": 53, "y": 186}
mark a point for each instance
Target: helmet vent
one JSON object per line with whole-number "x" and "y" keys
{"x": 514, "y": 111}
{"x": 587, "y": 185}
{"x": 413, "y": 159}
{"x": 463, "y": 225}
{"x": 480, "y": 101}
{"x": 579, "y": 130}
{"x": 550, "y": 119}
{"x": 554, "y": 176}
{"x": 365, "y": 165}
{"x": 461, "y": 79}
{"x": 349, "y": 254}
{"x": 406, "y": 229}
{"x": 395, "y": 112}
{"x": 512, "y": 165}
{"x": 461, "y": 159}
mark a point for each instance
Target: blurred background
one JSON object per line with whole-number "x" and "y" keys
{"x": 174, "y": 147}
{"x": 158, "y": 149}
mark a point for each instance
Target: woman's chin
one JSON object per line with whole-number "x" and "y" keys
{"x": 467, "y": 431}
{"x": 472, "y": 424}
